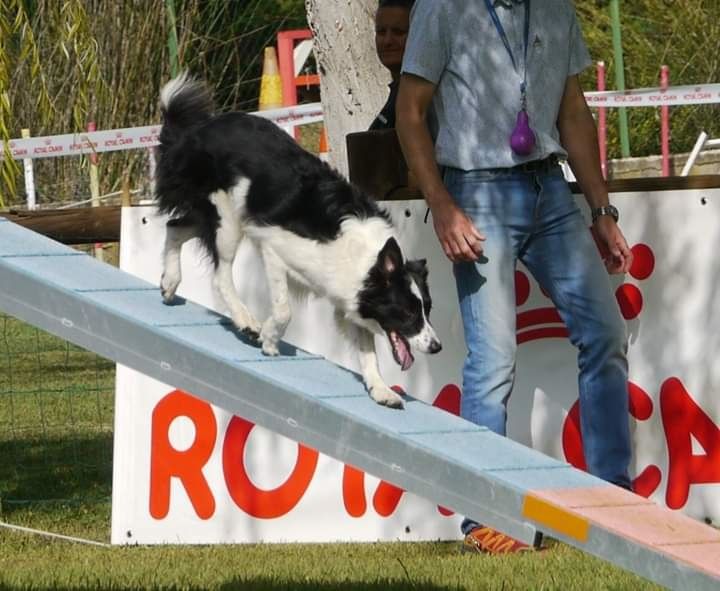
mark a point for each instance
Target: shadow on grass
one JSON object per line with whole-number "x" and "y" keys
{"x": 67, "y": 468}
{"x": 385, "y": 584}
{"x": 255, "y": 584}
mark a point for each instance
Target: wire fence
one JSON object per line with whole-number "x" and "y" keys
{"x": 56, "y": 419}
{"x": 220, "y": 41}
{"x": 56, "y": 399}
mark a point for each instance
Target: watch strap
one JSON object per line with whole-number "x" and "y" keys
{"x": 610, "y": 210}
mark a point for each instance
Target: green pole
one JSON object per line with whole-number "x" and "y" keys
{"x": 172, "y": 40}
{"x": 619, "y": 75}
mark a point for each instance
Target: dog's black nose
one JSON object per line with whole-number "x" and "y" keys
{"x": 435, "y": 347}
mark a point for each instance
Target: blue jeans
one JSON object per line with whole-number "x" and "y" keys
{"x": 533, "y": 217}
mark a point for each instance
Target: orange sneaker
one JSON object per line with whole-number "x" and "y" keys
{"x": 487, "y": 540}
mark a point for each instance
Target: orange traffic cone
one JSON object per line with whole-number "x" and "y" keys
{"x": 270, "y": 83}
{"x": 323, "y": 148}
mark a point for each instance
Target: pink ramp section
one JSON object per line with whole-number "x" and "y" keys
{"x": 642, "y": 521}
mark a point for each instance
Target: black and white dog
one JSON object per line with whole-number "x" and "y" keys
{"x": 221, "y": 177}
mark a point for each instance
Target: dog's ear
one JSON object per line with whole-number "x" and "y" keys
{"x": 419, "y": 266}
{"x": 390, "y": 257}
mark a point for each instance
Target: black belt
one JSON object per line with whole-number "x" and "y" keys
{"x": 544, "y": 165}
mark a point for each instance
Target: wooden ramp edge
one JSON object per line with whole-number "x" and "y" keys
{"x": 422, "y": 449}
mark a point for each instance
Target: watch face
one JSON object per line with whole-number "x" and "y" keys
{"x": 610, "y": 210}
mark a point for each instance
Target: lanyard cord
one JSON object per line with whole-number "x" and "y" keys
{"x": 506, "y": 42}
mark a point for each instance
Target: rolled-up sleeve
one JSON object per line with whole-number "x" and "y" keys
{"x": 427, "y": 49}
{"x": 577, "y": 50}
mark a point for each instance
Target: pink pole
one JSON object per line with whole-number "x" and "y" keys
{"x": 602, "y": 121}
{"x": 665, "y": 123}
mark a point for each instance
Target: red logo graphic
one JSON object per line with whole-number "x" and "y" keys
{"x": 685, "y": 425}
{"x": 682, "y": 420}
{"x": 187, "y": 465}
{"x": 545, "y": 322}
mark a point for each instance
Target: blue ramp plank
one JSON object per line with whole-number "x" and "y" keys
{"x": 422, "y": 449}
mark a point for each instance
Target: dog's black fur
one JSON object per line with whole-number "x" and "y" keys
{"x": 220, "y": 177}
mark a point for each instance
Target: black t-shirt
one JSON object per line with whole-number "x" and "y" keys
{"x": 386, "y": 117}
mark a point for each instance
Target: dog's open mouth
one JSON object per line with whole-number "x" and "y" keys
{"x": 401, "y": 350}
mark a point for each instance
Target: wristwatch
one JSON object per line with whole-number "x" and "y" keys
{"x": 610, "y": 210}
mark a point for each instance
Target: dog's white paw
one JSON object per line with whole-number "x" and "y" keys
{"x": 385, "y": 396}
{"x": 270, "y": 348}
{"x": 246, "y": 323}
{"x": 169, "y": 283}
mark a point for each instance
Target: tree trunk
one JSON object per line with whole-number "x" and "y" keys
{"x": 352, "y": 81}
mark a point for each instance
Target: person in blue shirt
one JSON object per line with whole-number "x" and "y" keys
{"x": 501, "y": 77}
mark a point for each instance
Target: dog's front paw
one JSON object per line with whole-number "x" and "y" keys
{"x": 270, "y": 349}
{"x": 246, "y": 324}
{"x": 251, "y": 335}
{"x": 168, "y": 286}
{"x": 385, "y": 396}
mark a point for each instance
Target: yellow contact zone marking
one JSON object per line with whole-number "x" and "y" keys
{"x": 555, "y": 518}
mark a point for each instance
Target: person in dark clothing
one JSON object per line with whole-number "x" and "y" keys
{"x": 392, "y": 22}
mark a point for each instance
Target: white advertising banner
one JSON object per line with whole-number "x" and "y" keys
{"x": 187, "y": 472}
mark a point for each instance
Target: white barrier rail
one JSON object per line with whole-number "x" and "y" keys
{"x": 656, "y": 97}
{"x": 75, "y": 144}
{"x": 110, "y": 140}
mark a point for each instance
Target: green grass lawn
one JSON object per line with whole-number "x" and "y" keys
{"x": 29, "y": 562}
{"x": 56, "y": 406}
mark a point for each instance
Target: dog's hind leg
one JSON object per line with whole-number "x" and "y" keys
{"x": 376, "y": 386}
{"x": 177, "y": 233}
{"x": 274, "y": 326}
{"x": 228, "y": 237}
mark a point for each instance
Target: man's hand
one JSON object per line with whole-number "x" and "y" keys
{"x": 460, "y": 239}
{"x": 613, "y": 247}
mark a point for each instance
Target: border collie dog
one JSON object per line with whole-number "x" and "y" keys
{"x": 221, "y": 177}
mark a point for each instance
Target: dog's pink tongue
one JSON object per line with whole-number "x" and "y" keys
{"x": 402, "y": 352}
{"x": 407, "y": 359}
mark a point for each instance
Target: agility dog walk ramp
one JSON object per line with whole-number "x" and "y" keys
{"x": 423, "y": 449}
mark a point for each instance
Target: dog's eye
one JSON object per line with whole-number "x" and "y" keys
{"x": 408, "y": 315}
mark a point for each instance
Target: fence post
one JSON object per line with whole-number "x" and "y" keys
{"x": 619, "y": 75}
{"x": 95, "y": 189}
{"x": 665, "y": 122}
{"x": 602, "y": 121}
{"x": 29, "y": 177}
{"x": 697, "y": 148}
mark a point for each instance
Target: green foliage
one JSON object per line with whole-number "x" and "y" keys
{"x": 18, "y": 51}
{"x": 105, "y": 61}
{"x": 681, "y": 35}
{"x": 65, "y": 62}
{"x": 225, "y": 41}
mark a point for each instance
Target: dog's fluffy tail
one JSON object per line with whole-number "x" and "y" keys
{"x": 184, "y": 102}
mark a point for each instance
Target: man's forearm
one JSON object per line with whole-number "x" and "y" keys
{"x": 579, "y": 138}
{"x": 419, "y": 153}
